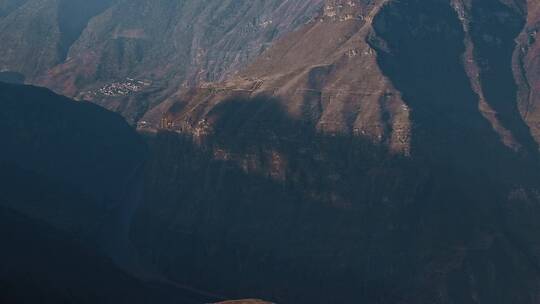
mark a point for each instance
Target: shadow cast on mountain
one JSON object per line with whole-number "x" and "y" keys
{"x": 494, "y": 35}
{"x": 265, "y": 206}
{"x": 420, "y": 47}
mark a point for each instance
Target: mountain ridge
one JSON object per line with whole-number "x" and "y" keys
{"x": 322, "y": 86}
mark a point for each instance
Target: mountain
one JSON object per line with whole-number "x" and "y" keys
{"x": 333, "y": 71}
{"x": 378, "y": 152}
{"x": 66, "y": 186}
{"x": 80, "y": 47}
{"x": 382, "y": 152}
{"x": 38, "y": 34}
{"x": 117, "y": 54}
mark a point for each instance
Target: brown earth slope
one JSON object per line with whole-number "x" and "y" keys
{"x": 326, "y": 74}
{"x": 329, "y": 74}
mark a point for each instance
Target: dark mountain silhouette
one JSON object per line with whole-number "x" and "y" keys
{"x": 65, "y": 170}
{"x": 78, "y": 145}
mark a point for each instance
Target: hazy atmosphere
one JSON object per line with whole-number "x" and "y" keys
{"x": 270, "y": 151}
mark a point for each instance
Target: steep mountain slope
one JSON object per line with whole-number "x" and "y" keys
{"x": 329, "y": 72}
{"x": 385, "y": 152}
{"x": 78, "y": 47}
{"x": 378, "y": 154}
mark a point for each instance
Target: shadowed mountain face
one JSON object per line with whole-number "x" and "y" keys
{"x": 54, "y": 136}
{"x": 494, "y": 29}
{"x": 264, "y": 206}
{"x": 277, "y": 211}
{"x": 66, "y": 184}
{"x": 422, "y": 58}
{"x": 92, "y": 156}
{"x": 388, "y": 163}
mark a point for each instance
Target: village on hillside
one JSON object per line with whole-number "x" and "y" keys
{"x": 118, "y": 89}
